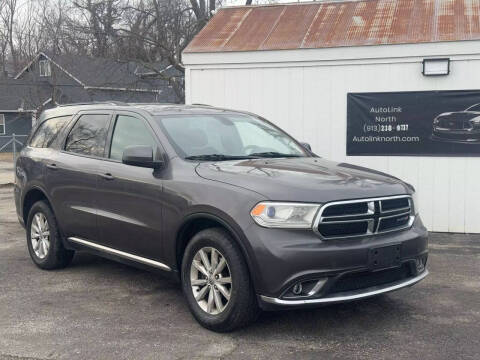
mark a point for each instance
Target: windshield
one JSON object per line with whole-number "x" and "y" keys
{"x": 475, "y": 107}
{"x": 224, "y": 137}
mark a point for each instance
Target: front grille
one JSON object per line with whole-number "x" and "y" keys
{"x": 364, "y": 217}
{"x": 393, "y": 222}
{"x": 345, "y": 229}
{"x": 346, "y": 209}
{"x": 456, "y": 124}
{"x": 395, "y": 204}
{"x": 363, "y": 280}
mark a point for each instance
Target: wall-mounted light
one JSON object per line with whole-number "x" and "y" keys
{"x": 436, "y": 67}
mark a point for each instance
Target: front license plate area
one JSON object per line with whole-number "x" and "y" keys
{"x": 384, "y": 257}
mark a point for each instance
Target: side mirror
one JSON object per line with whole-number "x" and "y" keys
{"x": 140, "y": 156}
{"x": 307, "y": 146}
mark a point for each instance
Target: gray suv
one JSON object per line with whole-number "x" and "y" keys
{"x": 239, "y": 212}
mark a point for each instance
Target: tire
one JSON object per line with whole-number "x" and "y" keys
{"x": 54, "y": 256}
{"x": 241, "y": 309}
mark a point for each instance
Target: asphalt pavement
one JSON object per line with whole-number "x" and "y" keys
{"x": 99, "y": 309}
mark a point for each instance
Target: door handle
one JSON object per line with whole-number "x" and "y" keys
{"x": 52, "y": 166}
{"x": 107, "y": 176}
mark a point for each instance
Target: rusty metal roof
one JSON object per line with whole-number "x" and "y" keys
{"x": 338, "y": 23}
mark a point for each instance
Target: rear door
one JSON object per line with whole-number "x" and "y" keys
{"x": 129, "y": 208}
{"x": 72, "y": 174}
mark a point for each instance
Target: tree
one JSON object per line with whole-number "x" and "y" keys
{"x": 8, "y": 19}
{"x": 151, "y": 32}
{"x": 165, "y": 27}
{"x": 102, "y": 18}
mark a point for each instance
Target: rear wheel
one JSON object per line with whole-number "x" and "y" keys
{"x": 216, "y": 282}
{"x": 43, "y": 239}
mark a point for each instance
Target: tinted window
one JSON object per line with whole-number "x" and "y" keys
{"x": 89, "y": 135}
{"x": 47, "y": 132}
{"x": 226, "y": 134}
{"x": 129, "y": 131}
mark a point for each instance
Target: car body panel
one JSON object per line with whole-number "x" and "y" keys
{"x": 72, "y": 187}
{"x": 303, "y": 179}
{"x": 129, "y": 206}
{"x": 187, "y": 197}
{"x": 293, "y": 255}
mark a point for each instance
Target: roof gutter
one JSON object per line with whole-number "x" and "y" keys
{"x": 17, "y": 111}
{"x": 121, "y": 89}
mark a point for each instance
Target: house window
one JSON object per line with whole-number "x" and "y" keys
{"x": 44, "y": 66}
{"x": 2, "y": 124}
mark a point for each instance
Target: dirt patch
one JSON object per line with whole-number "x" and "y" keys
{"x": 6, "y": 156}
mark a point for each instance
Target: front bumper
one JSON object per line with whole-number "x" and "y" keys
{"x": 287, "y": 257}
{"x": 457, "y": 135}
{"x": 343, "y": 297}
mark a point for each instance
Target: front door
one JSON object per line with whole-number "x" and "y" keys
{"x": 130, "y": 208}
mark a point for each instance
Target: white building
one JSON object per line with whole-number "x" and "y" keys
{"x": 294, "y": 64}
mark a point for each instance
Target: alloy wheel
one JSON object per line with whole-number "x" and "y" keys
{"x": 210, "y": 280}
{"x": 40, "y": 235}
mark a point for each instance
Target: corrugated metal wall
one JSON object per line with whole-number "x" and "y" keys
{"x": 309, "y": 102}
{"x": 327, "y": 24}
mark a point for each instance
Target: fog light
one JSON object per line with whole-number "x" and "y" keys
{"x": 305, "y": 289}
{"x": 297, "y": 289}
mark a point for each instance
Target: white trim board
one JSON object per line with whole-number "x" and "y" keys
{"x": 348, "y": 53}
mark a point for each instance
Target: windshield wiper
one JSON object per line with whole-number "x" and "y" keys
{"x": 274, "y": 154}
{"x": 219, "y": 157}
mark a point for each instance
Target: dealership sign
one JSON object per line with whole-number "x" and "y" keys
{"x": 435, "y": 123}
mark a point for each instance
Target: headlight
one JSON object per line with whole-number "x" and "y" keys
{"x": 284, "y": 215}
{"x": 415, "y": 203}
{"x": 475, "y": 121}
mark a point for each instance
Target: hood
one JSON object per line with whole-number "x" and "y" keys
{"x": 458, "y": 116}
{"x": 303, "y": 179}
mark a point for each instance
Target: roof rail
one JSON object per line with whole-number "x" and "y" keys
{"x": 197, "y": 104}
{"x": 119, "y": 103}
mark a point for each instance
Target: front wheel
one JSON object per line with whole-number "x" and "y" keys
{"x": 216, "y": 282}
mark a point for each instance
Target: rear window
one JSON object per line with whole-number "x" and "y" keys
{"x": 89, "y": 135}
{"x": 47, "y": 132}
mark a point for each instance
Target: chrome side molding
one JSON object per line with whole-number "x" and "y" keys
{"x": 349, "y": 295}
{"x": 122, "y": 254}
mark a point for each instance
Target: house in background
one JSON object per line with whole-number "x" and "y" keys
{"x": 49, "y": 80}
{"x": 74, "y": 78}
{"x": 17, "y": 109}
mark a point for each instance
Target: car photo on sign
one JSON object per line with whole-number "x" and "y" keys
{"x": 414, "y": 123}
{"x": 459, "y": 126}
